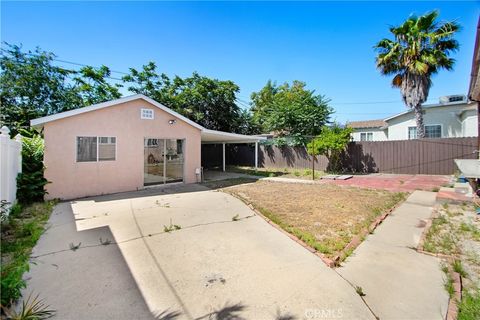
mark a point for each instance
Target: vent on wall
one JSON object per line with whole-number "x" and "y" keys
{"x": 146, "y": 113}
{"x": 453, "y": 98}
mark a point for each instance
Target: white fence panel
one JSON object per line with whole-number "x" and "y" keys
{"x": 10, "y": 164}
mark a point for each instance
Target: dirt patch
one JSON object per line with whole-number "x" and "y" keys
{"x": 324, "y": 216}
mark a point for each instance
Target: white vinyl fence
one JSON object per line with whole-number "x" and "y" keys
{"x": 10, "y": 164}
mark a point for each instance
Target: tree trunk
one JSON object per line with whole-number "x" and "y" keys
{"x": 419, "y": 121}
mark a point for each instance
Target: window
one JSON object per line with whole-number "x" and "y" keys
{"x": 106, "y": 148}
{"x": 88, "y": 150}
{"x": 412, "y": 133}
{"x": 366, "y": 136}
{"x": 146, "y": 113}
{"x": 431, "y": 131}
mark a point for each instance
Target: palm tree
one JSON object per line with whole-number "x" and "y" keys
{"x": 420, "y": 49}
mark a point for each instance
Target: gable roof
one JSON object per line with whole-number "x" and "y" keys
{"x": 206, "y": 134}
{"x": 40, "y": 121}
{"x": 367, "y": 124}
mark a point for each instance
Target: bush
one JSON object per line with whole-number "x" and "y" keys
{"x": 19, "y": 234}
{"x": 331, "y": 142}
{"x": 31, "y": 183}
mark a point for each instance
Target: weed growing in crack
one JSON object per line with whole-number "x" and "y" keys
{"x": 359, "y": 291}
{"x": 74, "y": 247}
{"x": 171, "y": 227}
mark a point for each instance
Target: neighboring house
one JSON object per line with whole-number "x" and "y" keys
{"x": 123, "y": 145}
{"x": 453, "y": 117}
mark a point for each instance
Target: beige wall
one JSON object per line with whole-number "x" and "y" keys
{"x": 71, "y": 179}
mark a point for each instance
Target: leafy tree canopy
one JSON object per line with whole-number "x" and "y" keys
{"x": 290, "y": 110}
{"x": 31, "y": 86}
{"x": 209, "y": 102}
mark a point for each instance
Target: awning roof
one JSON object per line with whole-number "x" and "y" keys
{"x": 213, "y": 136}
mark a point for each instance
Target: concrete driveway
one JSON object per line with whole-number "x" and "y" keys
{"x": 211, "y": 268}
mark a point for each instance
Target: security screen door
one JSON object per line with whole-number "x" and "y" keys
{"x": 163, "y": 161}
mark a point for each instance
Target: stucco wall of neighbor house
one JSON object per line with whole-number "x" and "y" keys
{"x": 378, "y": 134}
{"x": 470, "y": 123}
{"x": 447, "y": 116}
{"x": 71, "y": 179}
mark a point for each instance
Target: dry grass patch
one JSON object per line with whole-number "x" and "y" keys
{"x": 324, "y": 216}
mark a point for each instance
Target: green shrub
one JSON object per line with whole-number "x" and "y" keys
{"x": 19, "y": 234}
{"x": 31, "y": 183}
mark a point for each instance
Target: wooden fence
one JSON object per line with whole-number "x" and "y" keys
{"x": 426, "y": 156}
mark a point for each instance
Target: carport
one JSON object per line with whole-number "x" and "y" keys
{"x": 223, "y": 138}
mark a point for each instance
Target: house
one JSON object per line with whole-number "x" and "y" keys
{"x": 452, "y": 117}
{"x": 124, "y": 145}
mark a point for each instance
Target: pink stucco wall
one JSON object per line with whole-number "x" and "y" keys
{"x": 71, "y": 179}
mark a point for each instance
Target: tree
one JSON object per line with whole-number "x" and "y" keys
{"x": 209, "y": 102}
{"x": 31, "y": 86}
{"x": 331, "y": 142}
{"x": 421, "y": 47}
{"x": 92, "y": 87}
{"x": 290, "y": 110}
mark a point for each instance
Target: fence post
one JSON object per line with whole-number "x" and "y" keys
{"x": 10, "y": 164}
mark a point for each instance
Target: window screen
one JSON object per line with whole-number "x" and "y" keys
{"x": 86, "y": 149}
{"x": 106, "y": 148}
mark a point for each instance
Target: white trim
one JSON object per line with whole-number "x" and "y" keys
{"x": 40, "y": 121}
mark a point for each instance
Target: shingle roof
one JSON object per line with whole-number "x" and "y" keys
{"x": 367, "y": 124}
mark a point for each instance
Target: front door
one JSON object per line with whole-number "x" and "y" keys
{"x": 163, "y": 161}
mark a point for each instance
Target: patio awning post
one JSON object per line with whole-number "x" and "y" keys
{"x": 256, "y": 155}
{"x": 223, "y": 157}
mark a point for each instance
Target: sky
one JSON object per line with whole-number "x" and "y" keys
{"x": 328, "y": 45}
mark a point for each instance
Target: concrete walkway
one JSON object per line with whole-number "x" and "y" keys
{"x": 212, "y": 268}
{"x": 400, "y": 283}
{"x": 92, "y": 282}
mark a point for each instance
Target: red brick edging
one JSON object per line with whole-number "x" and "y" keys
{"x": 452, "y": 311}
